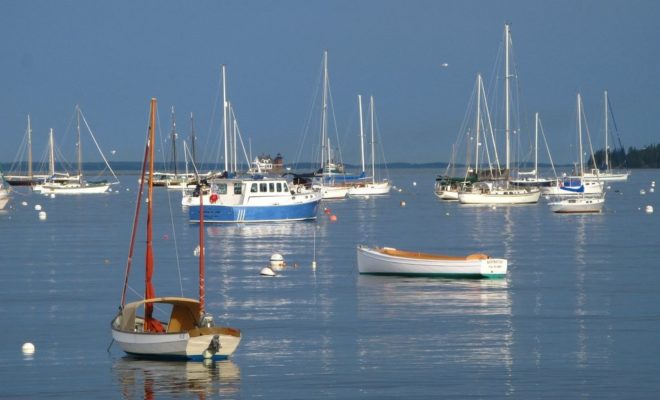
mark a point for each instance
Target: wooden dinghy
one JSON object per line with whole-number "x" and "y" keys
{"x": 390, "y": 261}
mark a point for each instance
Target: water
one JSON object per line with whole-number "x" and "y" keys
{"x": 577, "y": 315}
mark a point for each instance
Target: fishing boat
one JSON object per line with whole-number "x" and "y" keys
{"x": 368, "y": 187}
{"x": 65, "y": 183}
{"x": 187, "y": 332}
{"x": 390, "y": 261}
{"x": 578, "y": 205}
{"x": 255, "y": 199}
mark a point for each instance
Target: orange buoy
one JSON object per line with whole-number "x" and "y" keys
{"x": 333, "y": 218}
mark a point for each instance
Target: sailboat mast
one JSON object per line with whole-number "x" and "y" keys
{"x": 202, "y": 283}
{"x": 476, "y": 150}
{"x": 507, "y": 129}
{"x": 373, "y": 162}
{"x": 607, "y": 149}
{"x": 536, "y": 146}
{"x": 224, "y": 115}
{"x": 361, "y": 132}
{"x": 324, "y": 117}
{"x": 79, "y": 144}
{"x": 29, "y": 132}
{"x": 174, "y": 143}
{"x": 192, "y": 138}
{"x": 149, "y": 291}
{"x": 51, "y": 155}
{"x": 579, "y": 112}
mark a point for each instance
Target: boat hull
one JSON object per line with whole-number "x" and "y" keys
{"x": 64, "y": 189}
{"x": 500, "y": 197}
{"x": 373, "y": 262}
{"x": 173, "y": 346}
{"x": 370, "y": 189}
{"x": 577, "y": 206}
{"x": 256, "y": 213}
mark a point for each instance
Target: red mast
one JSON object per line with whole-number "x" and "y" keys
{"x": 151, "y": 324}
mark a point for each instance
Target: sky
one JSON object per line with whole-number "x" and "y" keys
{"x": 418, "y": 58}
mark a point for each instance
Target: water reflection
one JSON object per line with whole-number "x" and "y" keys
{"x": 467, "y": 318}
{"x": 151, "y": 379}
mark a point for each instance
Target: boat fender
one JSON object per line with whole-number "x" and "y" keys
{"x": 298, "y": 189}
{"x": 213, "y": 348}
{"x": 213, "y": 198}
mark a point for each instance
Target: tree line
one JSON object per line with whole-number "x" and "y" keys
{"x": 647, "y": 157}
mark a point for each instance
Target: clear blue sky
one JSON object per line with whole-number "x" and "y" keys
{"x": 112, "y": 57}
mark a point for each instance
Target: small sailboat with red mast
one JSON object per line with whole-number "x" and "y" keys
{"x": 187, "y": 332}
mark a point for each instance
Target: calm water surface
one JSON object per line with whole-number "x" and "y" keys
{"x": 577, "y": 317}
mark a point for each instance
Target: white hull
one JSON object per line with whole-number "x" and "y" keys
{"x": 500, "y": 196}
{"x": 173, "y": 345}
{"x": 370, "y": 189}
{"x": 333, "y": 192}
{"x": 591, "y": 188}
{"x": 578, "y": 205}
{"x": 607, "y": 176}
{"x": 387, "y": 261}
{"x": 450, "y": 195}
{"x": 72, "y": 189}
{"x": 4, "y": 198}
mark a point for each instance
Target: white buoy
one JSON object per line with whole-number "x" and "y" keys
{"x": 42, "y": 215}
{"x": 28, "y": 348}
{"x": 652, "y": 183}
{"x": 447, "y": 214}
{"x": 277, "y": 262}
{"x": 400, "y": 190}
{"x": 609, "y": 187}
{"x": 649, "y": 209}
{"x": 37, "y": 207}
{"x": 403, "y": 203}
{"x": 52, "y": 195}
{"x": 651, "y": 190}
{"x": 642, "y": 192}
{"x": 197, "y": 251}
{"x": 265, "y": 271}
{"x": 494, "y": 207}
{"x": 24, "y": 203}
{"x": 414, "y": 183}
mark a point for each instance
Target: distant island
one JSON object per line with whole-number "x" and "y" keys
{"x": 633, "y": 158}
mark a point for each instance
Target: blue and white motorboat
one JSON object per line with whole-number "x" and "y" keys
{"x": 255, "y": 199}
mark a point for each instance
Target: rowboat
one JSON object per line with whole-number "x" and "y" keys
{"x": 390, "y": 261}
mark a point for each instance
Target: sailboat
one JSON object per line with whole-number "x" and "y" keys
{"x": 187, "y": 332}
{"x": 65, "y": 183}
{"x": 581, "y": 203}
{"x": 532, "y": 178}
{"x": 500, "y": 191}
{"x": 608, "y": 174}
{"x": 366, "y": 188}
{"x": 28, "y": 179}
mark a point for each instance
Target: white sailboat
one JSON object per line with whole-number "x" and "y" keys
{"x": 580, "y": 202}
{"x": 532, "y": 178}
{"x": 16, "y": 178}
{"x": 608, "y": 174}
{"x": 500, "y": 191}
{"x": 186, "y": 332}
{"x": 65, "y": 183}
{"x": 366, "y": 188}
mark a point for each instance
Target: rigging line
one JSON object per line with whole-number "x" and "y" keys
{"x": 308, "y": 122}
{"x": 96, "y": 143}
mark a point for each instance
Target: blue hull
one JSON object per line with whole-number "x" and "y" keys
{"x": 279, "y": 213}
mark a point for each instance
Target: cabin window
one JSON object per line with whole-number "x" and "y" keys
{"x": 222, "y": 188}
{"x": 279, "y": 186}
{"x": 263, "y": 187}
{"x": 286, "y": 187}
{"x": 254, "y": 188}
{"x": 237, "y": 188}
{"x": 271, "y": 187}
